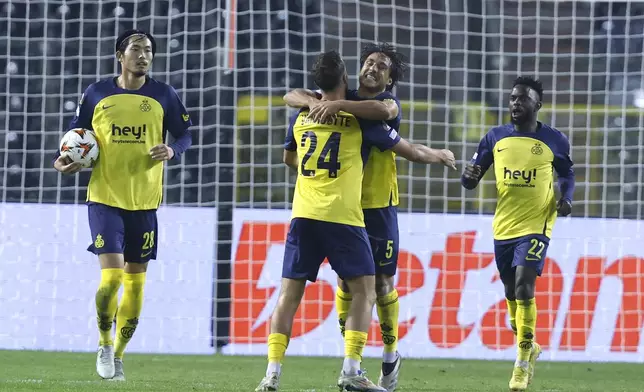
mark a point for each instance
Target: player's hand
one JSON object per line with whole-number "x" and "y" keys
{"x": 324, "y": 111}
{"x": 65, "y": 165}
{"x": 447, "y": 158}
{"x": 161, "y": 152}
{"x": 564, "y": 207}
{"x": 472, "y": 171}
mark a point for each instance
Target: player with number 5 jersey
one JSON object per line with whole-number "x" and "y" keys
{"x": 328, "y": 222}
{"x": 130, "y": 115}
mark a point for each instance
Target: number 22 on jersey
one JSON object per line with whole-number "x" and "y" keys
{"x": 316, "y": 158}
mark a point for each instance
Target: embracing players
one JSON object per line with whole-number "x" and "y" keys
{"x": 327, "y": 222}
{"x": 129, "y": 115}
{"x": 524, "y": 154}
{"x": 381, "y": 68}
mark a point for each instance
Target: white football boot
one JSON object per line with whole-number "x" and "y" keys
{"x": 119, "y": 374}
{"x": 269, "y": 383}
{"x": 105, "y": 362}
{"x": 389, "y": 374}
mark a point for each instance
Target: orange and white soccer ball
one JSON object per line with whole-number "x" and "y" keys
{"x": 80, "y": 145}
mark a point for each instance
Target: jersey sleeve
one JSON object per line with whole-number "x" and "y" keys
{"x": 388, "y": 96}
{"x": 379, "y": 134}
{"x": 289, "y": 141}
{"x": 177, "y": 121}
{"x": 484, "y": 155}
{"x": 84, "y": 110}
{"x": 563, "y": 166}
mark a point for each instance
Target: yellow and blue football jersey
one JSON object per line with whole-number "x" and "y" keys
{"x": 127, "y": 124}
{"x": 523, "y": 166}
{"x": 380, "y": 183}
{"x": 332, "y": 156}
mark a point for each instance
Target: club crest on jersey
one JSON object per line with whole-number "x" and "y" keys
{"x": 145, "y": 106}
{"x": 537, "y": 149}
{"x": 185, "y": 117}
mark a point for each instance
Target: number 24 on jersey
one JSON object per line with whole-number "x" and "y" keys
{"x": 327, "y": 157}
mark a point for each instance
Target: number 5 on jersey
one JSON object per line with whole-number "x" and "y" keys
{"x": 327, "y": 158}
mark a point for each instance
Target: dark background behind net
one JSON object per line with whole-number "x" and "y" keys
{"x": 464, "y": 56}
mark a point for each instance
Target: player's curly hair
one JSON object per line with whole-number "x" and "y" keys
{"x": 328, "y": 70}
{"x": 398, "y": 61}
{"x": 531, "y": 82}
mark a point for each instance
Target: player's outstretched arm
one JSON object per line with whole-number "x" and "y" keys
{"x": 419, "y": 153}
{"x": 301, "y": 98}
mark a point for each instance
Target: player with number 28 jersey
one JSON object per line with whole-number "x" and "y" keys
{"x": 130, "y": 115}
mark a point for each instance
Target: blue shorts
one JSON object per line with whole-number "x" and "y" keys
{"x": 528, "y": 251}
{"x": 310, "y": 241}
{"x": 131, "y": 233}
{"x": 382, "y": 228}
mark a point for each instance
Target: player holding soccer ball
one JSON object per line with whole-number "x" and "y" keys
{"x": 524, "y": 154}
{"x": 382, "y": 67}
{"x": 129, "y": 115}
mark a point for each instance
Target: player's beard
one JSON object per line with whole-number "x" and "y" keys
{"x": 522, "y": 119}
{"x": 373, "y": 87}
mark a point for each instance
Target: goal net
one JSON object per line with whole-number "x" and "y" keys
{"x": 226, "y": 203}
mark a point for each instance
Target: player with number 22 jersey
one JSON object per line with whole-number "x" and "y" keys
{"x": 524, "y": 154}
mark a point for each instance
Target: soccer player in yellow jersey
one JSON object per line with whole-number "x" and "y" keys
{"x": 382, "y": 67}
{"x": 129, "y": 115}
{"x": 524, "y": 154}
{"x": 327, "y": 222}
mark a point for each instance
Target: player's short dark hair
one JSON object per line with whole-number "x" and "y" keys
{"x": 531, "y": 82}
{"x": 123, "y": 40}
{"x": 398, "y": 62}
{"x": 328, "y": 70}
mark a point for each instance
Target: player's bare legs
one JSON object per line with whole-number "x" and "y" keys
{"x": 290, "y": 296}
{"x": 106, "y": 302}
{"x": 129, "y": 310}
{"x": 526, "y": 317}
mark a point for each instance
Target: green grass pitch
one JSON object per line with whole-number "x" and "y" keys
{"x": 58, "y": 372}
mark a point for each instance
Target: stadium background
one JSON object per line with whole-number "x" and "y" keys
{"x": 232, "y": 68}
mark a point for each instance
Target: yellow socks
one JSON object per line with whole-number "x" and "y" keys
{"x": 129, "y": 311}
{"x": 512, "y": 311}
{"x": 106, "y": 301}
{"x": 354, "y": 342}
{"x": 342, "y": 305}
{"x": 277, "y": 344}
{"x": 388, "y": 310}
{"x": 526, "y": 322}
